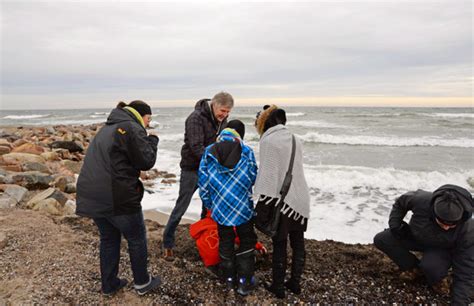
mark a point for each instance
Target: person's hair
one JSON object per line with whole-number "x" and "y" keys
{"x": 223, "y": 99}
{"x": 141, "y": 107}
{"x": 121, "y": 104}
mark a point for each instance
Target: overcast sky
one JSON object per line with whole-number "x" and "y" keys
{"x": 60, "y": 54}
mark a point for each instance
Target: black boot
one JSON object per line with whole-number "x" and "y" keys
{"x": 278, "y": 272}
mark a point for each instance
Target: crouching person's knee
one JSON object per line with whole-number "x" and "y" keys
{"x": 380, "y": 240}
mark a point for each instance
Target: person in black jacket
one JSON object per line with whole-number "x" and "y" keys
{"x": 442, "y": 228}
{"x": 109, "y": 191}
{"x": 202, "y": 126}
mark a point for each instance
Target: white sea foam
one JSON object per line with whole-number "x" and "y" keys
{"x": 295, "y": 114}
{"x": 352, "y": 204}
{"x": 349, "y": 204}
{"x": 451, "y": 115}
{"x": 35, "y": 116}
{"x": 393, "y": 141}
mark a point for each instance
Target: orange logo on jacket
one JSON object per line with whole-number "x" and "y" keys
{"x": 121, "y": 131}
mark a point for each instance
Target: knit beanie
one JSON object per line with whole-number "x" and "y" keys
{"x": 141, "y": 107}
{"x": 448, "y": 209}
{"x": 238, "y": 126}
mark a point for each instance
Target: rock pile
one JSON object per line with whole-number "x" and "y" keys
{"x": 39, "y": 167}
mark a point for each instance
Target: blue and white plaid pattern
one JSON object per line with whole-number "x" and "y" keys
{"x": 228, "y": 192}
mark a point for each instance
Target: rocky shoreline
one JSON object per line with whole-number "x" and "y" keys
{"x": 49, "y": 255}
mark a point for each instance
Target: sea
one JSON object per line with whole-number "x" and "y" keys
{"x": 357, "y": 160}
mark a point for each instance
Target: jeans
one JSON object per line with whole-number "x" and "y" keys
{"x": 435, "y": 262}
{"x": 188, "y": 183}
{"x": 239, "y": 263}
{"x": 111, "y": 229}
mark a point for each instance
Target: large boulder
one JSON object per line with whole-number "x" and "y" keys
{"x": 16, "y": 192}
{"x": 72, "y": 166}
{"x": 72, "y": 146}
{"x": 4, "y": 150}
{"x": 7, "y": 201}
{"x": 32, "y": 180}
{"x": 20, "y": 158}
{"x": 47, "y": 194}
{"x": 49, "y": 206}
{"x": 50, "y": 156}
{"x": 29, "y": 148}
{"x": 29, "y": 166}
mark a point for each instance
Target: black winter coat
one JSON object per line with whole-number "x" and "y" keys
{"x": 109, "y": 184}
{"x": 201, "y": 130}
{"x": 429, "y": 234}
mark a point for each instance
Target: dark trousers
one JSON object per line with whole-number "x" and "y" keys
{"x": 111, "y": 229}
{"x": 239, "y": 263}
{"x": 188, "y": 183}
{"x": 434, "y": 263}
{"x": 279, "y": 256}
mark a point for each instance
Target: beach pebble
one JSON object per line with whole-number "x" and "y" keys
{"x": 72, "y": 166}
{"x": 46, "y": 194}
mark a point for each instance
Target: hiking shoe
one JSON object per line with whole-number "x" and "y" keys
{"x": 442, "y": 288}
{"x": 230, "y": 283}
{"x": 154, "y": 283}
{"x": 246, "y": 285}
{"x": 279, "y": 292}
{"x": 123, "y": 282}
{"x": 168, "y": 254}
{"x": 411, "y": 275}
{"x": 293, "y": 286}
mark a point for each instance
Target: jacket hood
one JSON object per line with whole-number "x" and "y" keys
{"x": 118, "y": 115}
{"x": 464, "y": 197}
{"x": 204, "y": 107}
{"x": 228, "y": 148}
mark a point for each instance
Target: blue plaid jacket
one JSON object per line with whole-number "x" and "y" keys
{"x": 228, "y": 192}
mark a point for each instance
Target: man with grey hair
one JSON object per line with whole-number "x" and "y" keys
{"x": 202, "y": 126}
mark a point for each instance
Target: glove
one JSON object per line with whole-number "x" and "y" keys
{"x": 403, "y": 231}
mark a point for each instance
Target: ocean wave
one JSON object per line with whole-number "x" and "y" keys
{"x": 451, "y": 115}
{"x": 295, "y": 114}
{"x": 390, "y": 141}
{"x": 101, "y": 113}
{"x": 16, "y": 117}
{"x": 314, "y": 124}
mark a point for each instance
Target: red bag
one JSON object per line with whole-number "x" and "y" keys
{"x": 205, "y": 233}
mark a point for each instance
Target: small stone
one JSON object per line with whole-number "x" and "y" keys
{"x": 61, "y": 182}
{"x": 470, "y": 181}
{"x": 70, "y": 188}
{"x": 69, "y": 208}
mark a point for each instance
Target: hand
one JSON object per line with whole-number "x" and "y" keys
{"x": 152, "y": 133}
{"x": 402, "y": 231}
